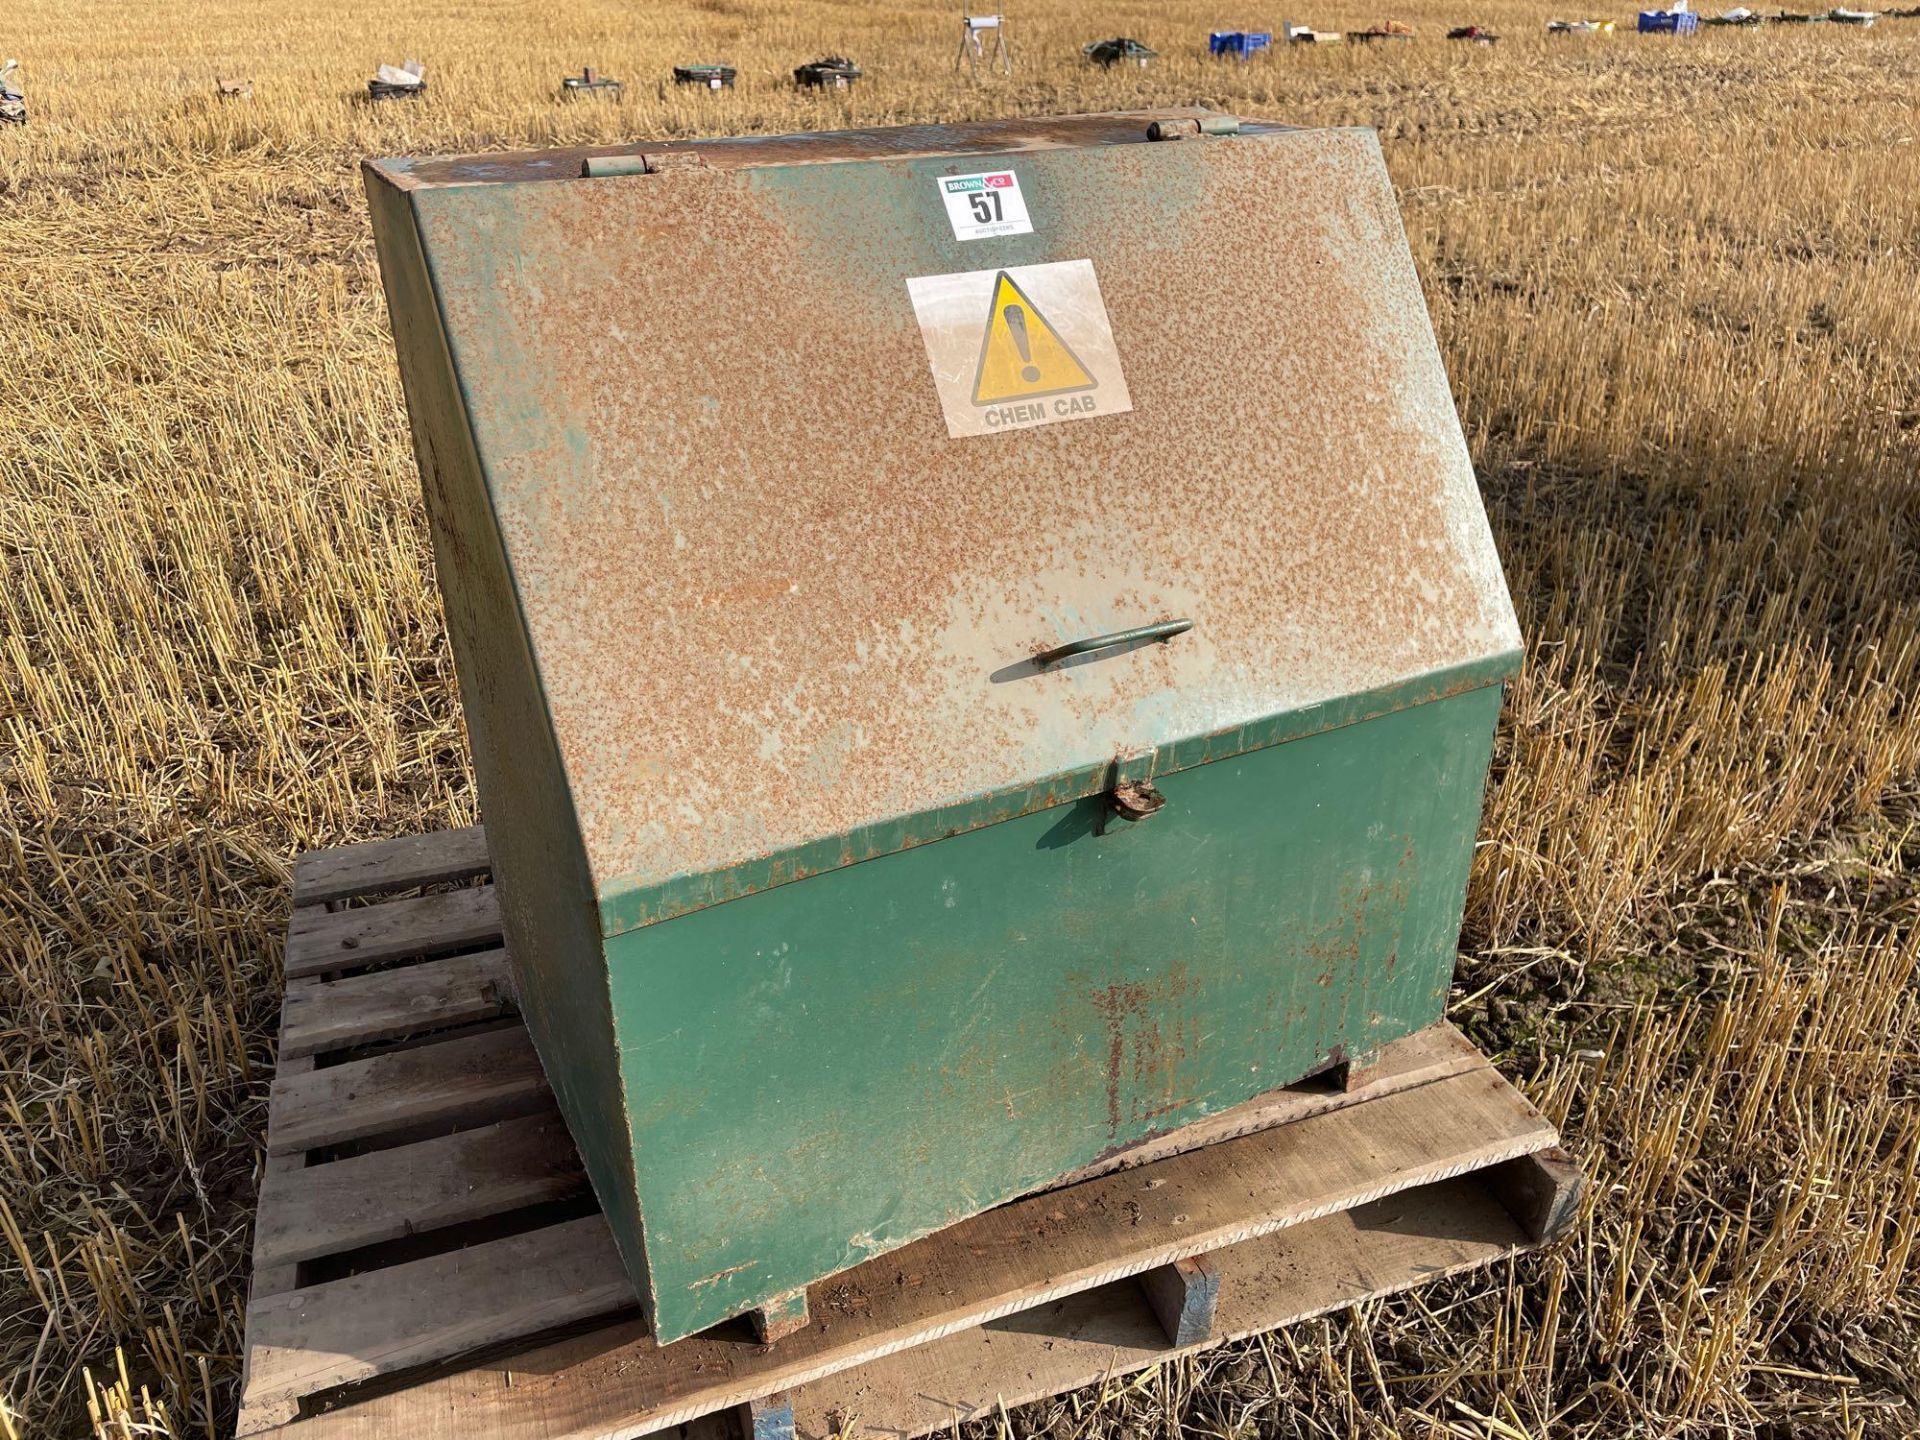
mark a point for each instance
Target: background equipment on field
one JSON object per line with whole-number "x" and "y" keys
{"x": 708, "y": 77}
{"x": 398, "y": 82}
{"x": 1478, "y": 34}
{"x": 1238, "y": 44}
{"x": 1120, "y": 50}
{"x": 13, "y": 104}
{"x": 589, "y": 84}
{"x": 984, "y": 37}
{"x": 830, "y": 72}
{"x": 1668, "y": 22}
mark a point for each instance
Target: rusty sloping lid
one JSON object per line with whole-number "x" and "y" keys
{"x": 782, "y": 619}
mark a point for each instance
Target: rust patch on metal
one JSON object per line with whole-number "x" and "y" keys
{"x": 1139, "y": 1054}
{"x": 1365, "y": 900}
{"x": 1115, "y": 1004}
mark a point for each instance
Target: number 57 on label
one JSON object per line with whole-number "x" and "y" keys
{"x": 983, "y": 206}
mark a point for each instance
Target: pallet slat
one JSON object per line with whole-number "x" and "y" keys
{"x": 411, "y": 1189}
{"x": 369, "y": 934}
{"x": 1185, "y": 1296}
{"x": 1542, "y": 1191}
{"x": 424, "y": 1310}
{"x": 1275, "y": 1280}
{"x": 469, "y": 1080}
{"x": 1027, "y": 1300}
{"x": 391, "y": 1004}
{"x": 993, "y": 1264}
{"x": 1419, "y": 1059}
{"x": 269, "y": 1278}
{"x": 355, "y": 870}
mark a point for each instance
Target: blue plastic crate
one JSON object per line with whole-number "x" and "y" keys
{"x": 1668, "y": 22}
{"x": 1238, "y": 43}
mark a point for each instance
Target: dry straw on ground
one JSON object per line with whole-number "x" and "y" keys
{"x": 1674, "y": 282}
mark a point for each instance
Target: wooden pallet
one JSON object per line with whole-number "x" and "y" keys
{"x": 429, "y": 1261}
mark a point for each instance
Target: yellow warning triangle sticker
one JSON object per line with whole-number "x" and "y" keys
{"x": 1022, "y": 355}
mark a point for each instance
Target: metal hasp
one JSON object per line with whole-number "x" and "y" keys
{"x": 834, "y": 915}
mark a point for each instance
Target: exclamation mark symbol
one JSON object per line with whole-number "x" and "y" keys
{"x": 1016, "y": 319}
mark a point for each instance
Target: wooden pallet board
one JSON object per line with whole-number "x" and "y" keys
{"x": 401, "y": 1222}
{"x": 387, "y": 1005}
{"x": 463, "y": 1079}
{"x": 399, "y": 1316}
{"x": 319, "y": 942}
{"x": 1089, "y": 1337}
{"x": 1004, "y": 1260}
{"x": 362, "y": 1200}
{"x": 352, "y": 871}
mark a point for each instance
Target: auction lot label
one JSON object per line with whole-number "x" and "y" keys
{"x": 983, "y": 206}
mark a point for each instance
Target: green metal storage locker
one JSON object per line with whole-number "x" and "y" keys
{"x": 981, "y": 646}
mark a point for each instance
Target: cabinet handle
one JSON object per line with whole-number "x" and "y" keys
{"x": 1164, "y": 630}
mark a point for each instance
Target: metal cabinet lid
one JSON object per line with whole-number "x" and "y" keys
{"x": 785, "y": 620}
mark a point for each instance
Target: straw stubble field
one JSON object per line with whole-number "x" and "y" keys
{"x": 1674, "y": 284}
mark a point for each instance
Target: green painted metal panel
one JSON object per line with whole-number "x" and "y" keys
{"x": 625, "y": 909}
{"x": 539, "y": 864}
{"x": 830, "y": 1069}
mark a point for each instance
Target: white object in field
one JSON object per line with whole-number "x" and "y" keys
{"x": 976, "y": 46}
{"x": 409, "y": 75}
{"x": 1739, "y": 12}
{"x": 1854, "y": 17}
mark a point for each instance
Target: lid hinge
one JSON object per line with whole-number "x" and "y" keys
{"x": 1193, "y": 125}
{"x": 660, "y": 162}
